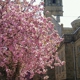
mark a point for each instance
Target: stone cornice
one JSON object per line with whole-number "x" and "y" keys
{"x": 72, "y": 37}
{"x": 68, "y": 37}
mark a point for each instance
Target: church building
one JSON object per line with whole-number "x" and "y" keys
{"x": 69, "y": 50}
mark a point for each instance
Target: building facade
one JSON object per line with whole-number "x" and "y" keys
{"x": 69, "y": 51}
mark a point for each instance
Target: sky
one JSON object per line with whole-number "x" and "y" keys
{"x": 71, "y": 11}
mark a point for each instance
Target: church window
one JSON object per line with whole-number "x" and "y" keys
{"x": 53, "y": 1}
{"x": 79, "y": 64}
{"x": 78, "y": 49}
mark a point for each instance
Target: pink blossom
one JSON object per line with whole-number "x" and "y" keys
{"x": 27, "y": 40}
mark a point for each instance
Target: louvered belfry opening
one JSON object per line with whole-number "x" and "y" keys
{"x": 53, "y": 1}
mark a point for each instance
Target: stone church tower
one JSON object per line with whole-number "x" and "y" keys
{"x": 54, "y": 7}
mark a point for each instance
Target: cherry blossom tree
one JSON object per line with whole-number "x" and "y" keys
{"x": 28, "y": 40}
